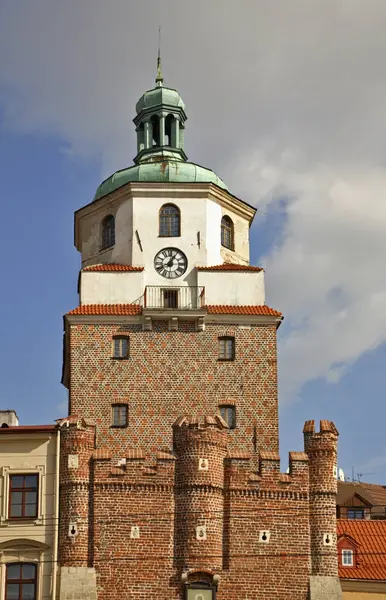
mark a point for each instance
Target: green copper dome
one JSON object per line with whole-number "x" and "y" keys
{"x": 159, "y": 172}
{"x": 160, "y": 126}
{"x": 159, "y": 96}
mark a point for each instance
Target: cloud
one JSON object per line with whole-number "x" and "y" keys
{"x": 287, "y": 100}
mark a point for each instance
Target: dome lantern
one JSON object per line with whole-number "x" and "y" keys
{"x": 160, "y": 123}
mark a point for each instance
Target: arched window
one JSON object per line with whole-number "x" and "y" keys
{"x": 227, "y": 238}
{"x": 169, "y": 221}
{"x": 108, "y": 232}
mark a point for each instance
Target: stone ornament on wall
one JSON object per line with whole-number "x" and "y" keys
{"x": 134, "y": 532}
{"x": 203, "y": 464}
{"x": 264, "y": 536}
{"x": 201, "y": 532}
{"x": 73, "y": 461}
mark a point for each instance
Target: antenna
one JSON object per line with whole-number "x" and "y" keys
{"x": 159, "y": 79}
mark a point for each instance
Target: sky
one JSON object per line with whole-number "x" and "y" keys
{"x": 286, "y": 101}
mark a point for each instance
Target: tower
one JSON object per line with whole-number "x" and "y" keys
{"x": 172, "y": 317}
{"x": 171, "y": 365}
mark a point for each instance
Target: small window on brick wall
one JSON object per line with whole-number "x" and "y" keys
{"x": 347, "y": 558}
{"x": 121, "y": 346}
{"x": 226, "y": 348}
{"x": 228, "y": 413}
{"x": 119, "y": 415}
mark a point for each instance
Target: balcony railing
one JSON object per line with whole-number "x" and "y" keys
{"x": 182, "y": 298}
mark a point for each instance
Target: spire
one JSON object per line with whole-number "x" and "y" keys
{"x": 159, "y": 79}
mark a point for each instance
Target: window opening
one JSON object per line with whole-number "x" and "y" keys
{"x": 226, "y": 349}
{"x": 23, "y": 496}
{"x": 228, "y": 413}
{"x": 155, "y": 126}
{"x": 355, "y": 513}
{"x": 347, "y": 558}
{"x": 170, "y": 298}
{"x": 227, "y": 238}
{"x": 21, "y": 579}
{"x": 168, "y": 130}
{"x": 169, "y": 221}
{"x": 108, "y": 232}
{"x": 119, "y": 415}
{"x": 120, "y": 347}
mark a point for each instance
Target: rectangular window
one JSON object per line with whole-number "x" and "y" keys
{"x": 355, "y": 513}
{"x": 228, "y": 413}
{"x": 21, "y": 580}
{"x": 347, "y": 558}
{"x": 23, "y": 496}
{"x": 119, "y": 415}
{"x": 120, "y": 347}
{"x": 170, "y": 298}
{"x": 226, "y": 349}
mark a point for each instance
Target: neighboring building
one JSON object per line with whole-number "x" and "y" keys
{"x": 362, "y": 559}
{"x": 357, "y": 500}
{"x": 170, "y": 473}
{"x": 29, "y": 490}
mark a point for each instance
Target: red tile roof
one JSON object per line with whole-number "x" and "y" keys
{"x": 112, "y": 267}
{"x": 107, "y": 309}
{"x": 230, "y": 267}
{"x": 136, "y": 309}
{"x": 370, "y": 535}
{"x": 242, "y": 310}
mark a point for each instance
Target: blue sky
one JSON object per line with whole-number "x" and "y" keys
{"x": 293, "y": 125}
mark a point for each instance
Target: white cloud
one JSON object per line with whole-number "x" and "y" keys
{"x": 285, "y": 99}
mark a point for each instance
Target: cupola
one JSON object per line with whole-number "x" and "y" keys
{"x": 160, "y": 123}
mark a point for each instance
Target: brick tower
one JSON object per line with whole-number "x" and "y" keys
{"x": 171, "y": 482}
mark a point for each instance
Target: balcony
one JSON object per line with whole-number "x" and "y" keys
{"x": 174, "y": 298}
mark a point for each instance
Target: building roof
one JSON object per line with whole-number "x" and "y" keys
{"x": 370, "y": 537}
{"x": 230, "y": 267}
{"x": 373, "y": 494}
{"x": 136, "y": 309}
{"x": 26, "y": 429}
{"x": 222, "y": 309}
{"x": 112, "y": 267}
{"x": 107, "y": 309}
{"x": 161, "y": 171}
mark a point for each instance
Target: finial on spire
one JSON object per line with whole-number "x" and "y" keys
{"x": 159, "y": 79}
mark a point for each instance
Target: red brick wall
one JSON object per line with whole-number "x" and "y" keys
{"x": 173, "y": 373}
{"x": 166, "y": 496}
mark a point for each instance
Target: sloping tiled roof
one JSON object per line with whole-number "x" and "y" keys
{"x": 230, "y": 267}
{"x": 107, "y": 309}
{"x": 370, "y": 535}
{"x": 222, "y": 309}
{"x": 112, "y": 267}
{"x": 373, "y": 494}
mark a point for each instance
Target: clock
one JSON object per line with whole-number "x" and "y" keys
{"x": 170, "y": 263}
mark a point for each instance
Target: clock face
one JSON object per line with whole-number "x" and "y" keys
{"x": 170, "y": 263}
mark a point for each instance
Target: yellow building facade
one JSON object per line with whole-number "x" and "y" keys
{"x": 29, "y": 489}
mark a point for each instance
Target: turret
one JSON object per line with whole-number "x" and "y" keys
{"x": 322, "y": 452}
{"x": 201, "y": 447}
{"x": 77, "y": 444}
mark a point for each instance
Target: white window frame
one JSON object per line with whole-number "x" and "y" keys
{"x": 347, "y": 554}
{"x": 40, "y": 471}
